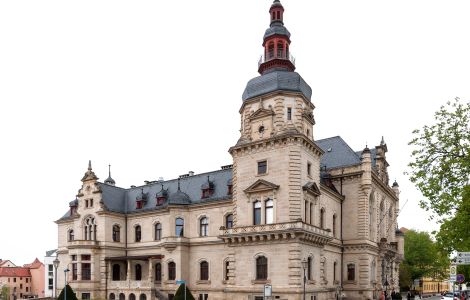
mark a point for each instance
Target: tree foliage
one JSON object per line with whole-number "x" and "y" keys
{"x": 423, "y": 257}
{"x": 440, "y": 165}
{"x": 180, "y": 293}
{"x": 5, "y": 293}
{"x": 70, "y": 293}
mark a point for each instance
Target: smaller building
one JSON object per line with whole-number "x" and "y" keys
{"x": 23, "y": 282}
{"x": 49, "y": 273}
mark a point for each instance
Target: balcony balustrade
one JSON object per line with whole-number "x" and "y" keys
{"x": 276, "y": 55}
{"x": 83, "y": 244}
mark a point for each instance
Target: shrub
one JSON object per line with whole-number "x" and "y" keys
{"x": 180, "y": 293}
{"x": 70, "y": 294}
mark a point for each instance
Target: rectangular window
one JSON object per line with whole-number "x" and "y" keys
{"x": 91, "y": 202}
{"x": 262, "y": 167}
{"x": 203, "y": 296}
{"x": 86, "y": 296}
{"x": 50, "y": 270}
{"x": 27, "y": 290}
{"x": 309, "y": 169}
{"x": 14, "y": 279}
{"x": 289, "y": 113}
{"x": 171, "y": 296}
{"x": 50, "y": 283}
{"x": 86, "y": 271}
{"x": 74, "y": 272}
{"x": 86, "y": 203}
{"x": 74, "y": 257}
{"x": 21, "y": 286}
{"x": 86, "y": 257}
{"x": 27, "y": 280}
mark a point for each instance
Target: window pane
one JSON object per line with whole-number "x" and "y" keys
{"x": 269, "y": 212}
{"x": 262, "y": 167}
{"x": 257, "y": 212}
{"x": 229, "y": 221}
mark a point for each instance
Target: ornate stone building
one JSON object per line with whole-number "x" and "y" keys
{"x": 291, "y": 211}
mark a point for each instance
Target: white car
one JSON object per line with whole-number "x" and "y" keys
{"x": 449, "y": 296}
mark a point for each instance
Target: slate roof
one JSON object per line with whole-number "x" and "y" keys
{"x": 51, "y": 252}
{"x": 276, "y": 28}
{"x": 276, "y": 81}
{"x": 337, "y": 153}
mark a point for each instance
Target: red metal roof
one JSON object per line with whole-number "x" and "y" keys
{"x": 14, "y": 272}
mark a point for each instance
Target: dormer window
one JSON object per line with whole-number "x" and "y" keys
{"x": 207, "y": 189}
{"x": 141, "y": 200}
{"x": 161, "y": 196}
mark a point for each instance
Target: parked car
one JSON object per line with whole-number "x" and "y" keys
{"x": 450, "y": 296}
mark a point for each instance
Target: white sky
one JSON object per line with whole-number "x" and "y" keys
{"x": 154, "y": 88}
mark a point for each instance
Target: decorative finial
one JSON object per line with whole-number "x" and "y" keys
{"x": 162, "y": 186}
{"x": 382, "y": 142}
{"x": 109, "y": 170}
{"x": 89, "y": 165}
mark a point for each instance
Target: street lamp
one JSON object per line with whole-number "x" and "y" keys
{"x": 65, "y": 287}
{"x": 56, "y": 263}
{"x": 304, "y": 266}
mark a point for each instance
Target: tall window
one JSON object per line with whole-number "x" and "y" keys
{"x": 309, "y": 168}
{"x": 204, "y": 227}
{"x": 143, "y": 297}
{"x": 262, "y": 167}
{"x": 227, "y": 264}
{"x": 351, "y": 272}
{"x": 179, "y": 227}
{"x": 116, "y": 272}
{"x": 309, "y": 268}
{"x": 158, "y": 231}
{"x": 171, "y": 270}
{"x": 158, "y": 272}
{"x": 229, "y": 221}
{"x": 311, "y": 213}
{"x": 334, "y": 225}
{"x": 269, "y": 211}
{"x": 132, "y": 296}
{"x": 271, "y": 50}
{"x": 204, "y": 270}
{"x": 280, "y": 49}
{"x": 71, "y": 235}
{"x": 289, "y": 113}
{"x": 371, "y": 215}
{"x": 138, "y": 272}
{"x": 116, "y": 233}
{"x": 372, "y": 271}
{"x": 112, "y": 296}
{"x": 261, "y": 268}
{"x": 90, "y": 229}
{"x": 322, "y": 218}
{"x": 257, "y": 212}
{"x": 74, "y": 271}
{"x": 86, "y": 271}
{"x": 138, "y": 233}
{"x": 306, "y": 211}
{"x": 334, "y": 271}
{"x": 122, "y": 296}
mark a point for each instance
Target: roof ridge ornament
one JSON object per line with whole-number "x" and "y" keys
{"x": 89, "y": 175}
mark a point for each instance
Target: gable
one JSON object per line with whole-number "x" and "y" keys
{"x": 261, "y": 185}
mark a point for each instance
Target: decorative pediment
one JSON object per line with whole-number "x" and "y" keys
{"x": 261, "y": 186}
{"x": 312, "y": 188}
{"x": 309, "y": 117}
{"x": 261, "y": 113}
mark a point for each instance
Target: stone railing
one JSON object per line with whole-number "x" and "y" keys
{"x": 83, "y": 243}
{"x": 130, "y": 284}
{"x": 265, "y": 228}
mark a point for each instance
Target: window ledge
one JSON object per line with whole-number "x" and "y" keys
{"x": 203, "y": 282}
{"x": 311, "y": 282}
{"x": 260, "y": 281}
{"x": 350, "y": 281}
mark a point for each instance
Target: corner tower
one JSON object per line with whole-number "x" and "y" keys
{"x": 275, "y": 156}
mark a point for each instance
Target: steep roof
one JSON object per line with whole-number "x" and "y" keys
{"x": 36, "y": 264}
{"x": 14, "y": 272}
{"x": 337, "y": 153}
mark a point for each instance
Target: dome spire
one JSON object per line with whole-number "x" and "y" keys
{"x": 276, "y": 42}
{"x": 110, "y": 180}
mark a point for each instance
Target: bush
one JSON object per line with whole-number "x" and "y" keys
{"x": 70, "y": 294}
{"x": 180, "y": 293}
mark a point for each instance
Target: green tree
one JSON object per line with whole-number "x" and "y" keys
{"x": 5, "y": 293}
{"x": 422, "y": 257}
{"x": 70, "y": 293}
{"x": 180, "y": 293}
{"x": 440, "y": 165}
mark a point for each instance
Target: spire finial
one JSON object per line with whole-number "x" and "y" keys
{"x": 89, "y": 165}
{"x": 382, "y": 142}
{"x": 109, "y": 170}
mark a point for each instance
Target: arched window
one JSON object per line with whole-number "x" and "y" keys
{"x": 179, "y": 228}
{"x": 112, "y": 296}
{"x": 116, "y": 233}
{"x": 229, "y": 221}
{"x": 71, "y": 235}
{"x": 309, "y": 267}
{"x": 143, "y": 297}
{"x": 280, "y": 49}
{"x": 138, "y": 272}
{"x": 116, "y": 272}
{"x": 371, "y": 215}
{"x": 257, "y": 212}
{"x": 171, "y": 270}
{"x": 204, "y": 227}
{"x": 158, "y": 272}
{"x": 158, "y": 231}
{"x": 351, "y": 272}
{"x": 90, "y": 229}
{"x": 122, "y": 296}
{"x": 269, "y": 211}
{"x": 270, "y": 50}
{"x": 138, "y": 233}
{"x": 131, "y": 296}
{"x": 204, "y": 270}
{"x": 261, "y": 268}
{"x": 322, "y": 218}
{"x": 226, "y": 266}
{"x": 334, "y": 225}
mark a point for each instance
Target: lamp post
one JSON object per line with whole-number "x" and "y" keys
{"x": 56, "y": 263}
{"x": 304, "y": 266}
{"x": 65, "y": 287}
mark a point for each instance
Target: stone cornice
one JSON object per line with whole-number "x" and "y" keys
{"x": 384, "y": 187}
{"x": 283, "y": 139}
{"x": 274, "y": 94}
{"x": 327, "y": 190}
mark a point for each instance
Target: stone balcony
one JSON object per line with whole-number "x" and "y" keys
{"x": 76, "y": 244}
{"x": 274, "y": 232}
{"x": 131, "y": 284}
